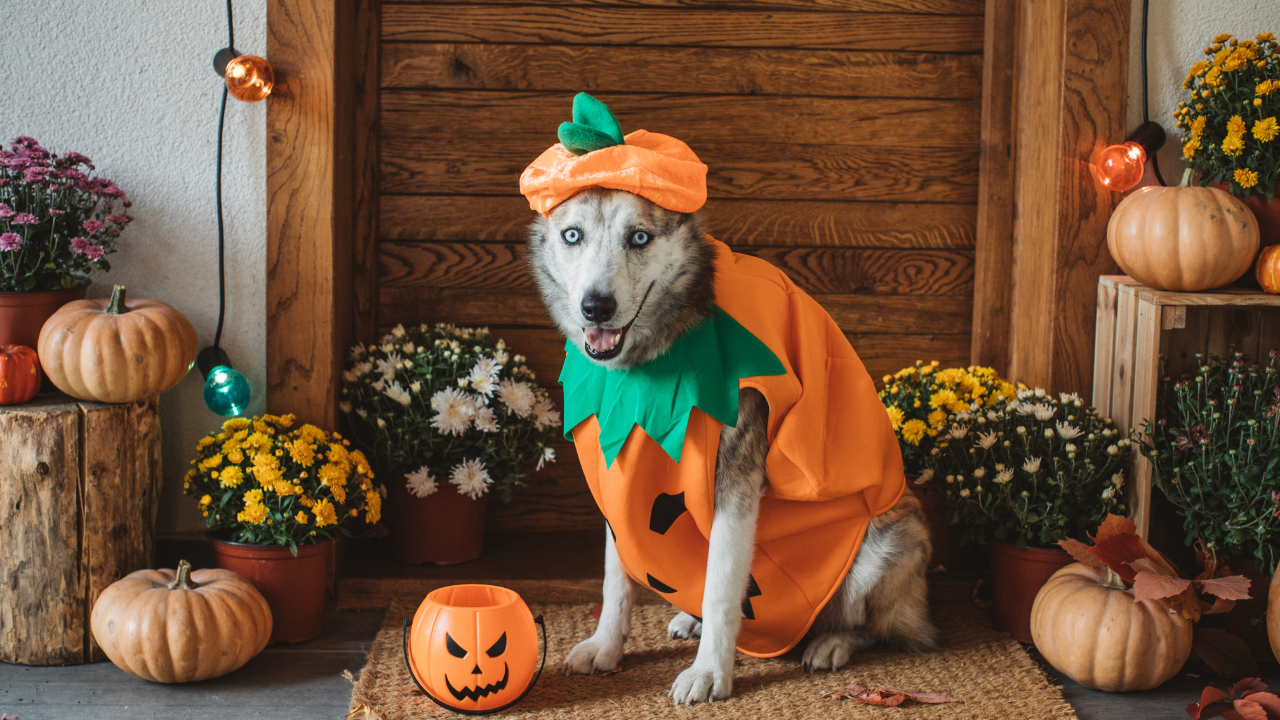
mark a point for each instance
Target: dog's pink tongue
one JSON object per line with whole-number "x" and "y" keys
{"x": 602, "y": 339}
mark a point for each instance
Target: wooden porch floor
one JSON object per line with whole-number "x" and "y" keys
{"x": 292, "y": 682}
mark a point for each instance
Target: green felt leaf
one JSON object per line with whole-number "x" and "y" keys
{"x": 582, "y": 139}
{"x": 701, "y": 370}
{"x": 593, "y": 113}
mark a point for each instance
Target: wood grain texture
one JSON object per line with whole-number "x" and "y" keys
{"x": 362, "y": 78}
{"x": 716, "y": 71}
{"x": 735, "y": 27}
{"x": 739, "y": 222}
{"x": 557, "y": 497}
{"x": 1104, "y": 349}
{"x": 935, "y": 7}
{"x": 993, "y": 267}
{"x": 1146, "y": 373}
{"x": 79, "y": 493}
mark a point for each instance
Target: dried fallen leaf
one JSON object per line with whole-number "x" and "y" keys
{"x": 1156, "y": 586}
{"x": 360, "y": 710}
{"x": 596, "y": 610}
{"x": 1223, "y": 654}
{"x": 1208, "y": 696}
{"x": 1248, "y": 710}
{"x": 1117, "y": 551}
{"x": 1267, "y": 700}
{"x": 1220, "y": 606}
{"x": 1080, "y": 552}
{"x": 1231, "y": 587}
{"x": 1248, "y": 686}
{"x": 1115, "y": 525}
{"x": 887, "y": 697}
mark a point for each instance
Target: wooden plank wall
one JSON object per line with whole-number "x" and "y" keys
{"x": 842, "y": 138}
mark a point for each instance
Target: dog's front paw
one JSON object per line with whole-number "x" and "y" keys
{"x": 685, "y": 627}
{"x": 701, "y": 684}
{"x": 592, "y": 656}
{"x": 831, "y": 651}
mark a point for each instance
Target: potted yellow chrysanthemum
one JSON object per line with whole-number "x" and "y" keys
{"x": 1231, "y": 123}
{"x": 273, "y": 497}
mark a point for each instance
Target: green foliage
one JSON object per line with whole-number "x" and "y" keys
{"x": 1032, "y": 471}
{"x": 1215, "y": 451}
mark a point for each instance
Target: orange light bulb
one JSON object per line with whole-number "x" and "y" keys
{"x": 1120, "y": 167}
{"x": 249, "y": 78}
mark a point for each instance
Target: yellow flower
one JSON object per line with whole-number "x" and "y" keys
{"x": 235, "y": 424}
{"x": 1213, "y": 78}
{"x": 301, "y": 517}
{"x": 372, "y": 506}
{"x": 1236, "y": 125}
{"x": 1247, "y": 178}
{"x": 325, "y": 514}
{"x": 1266, "y": 87}
{"x": 1265, "y": 130}
{"x": 942, "y": 399}
{"x": 306, "y": 502}
{"x": 338, "y": 454}
{"x": 895, "y": 417}
{"x": 253, "y": 513}
{"x": 205, "y": 501}
{"x": 1265, "y": 37}
{"x": 257, "y": 443}
{"x": 1197, "y": 70}
{"x": 1197, "y": 126}
{"x": 302, "y": 453}
{"x": 235, "y": 456}
{"x": 211, "y": 462}
{"x": 231, "y": 476}
{"x": 937, "y": 417}
{"x": 1233, "y": 145}
{"x": 1189, "y": 148}
{"x": 1222, "y": 38}
{"x": 205, "y": 442}
{"x": 252, "y": 497}
{"x": 913, "y": 431}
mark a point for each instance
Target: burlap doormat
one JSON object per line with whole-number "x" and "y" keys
{"x": 988, "y": 670}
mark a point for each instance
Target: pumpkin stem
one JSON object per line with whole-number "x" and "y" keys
{"x": 1186, "y": 178}
{"x": 1110, "y": 579}
{"x": 183, "y": 580}
{"x": 116, "y": 305}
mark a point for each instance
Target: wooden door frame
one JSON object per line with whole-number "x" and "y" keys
{"x": 1054, "y": 93}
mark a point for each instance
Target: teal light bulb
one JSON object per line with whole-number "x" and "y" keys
{"x": 226, "y": 391}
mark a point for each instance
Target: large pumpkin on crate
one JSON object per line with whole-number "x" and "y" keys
{"x": 181, "y": 626}
{"x": 110, "y": 351}
{"x": 1099, "y": 637}
{"x": 1184, "y": 238}
{"x": 19, "y": 374}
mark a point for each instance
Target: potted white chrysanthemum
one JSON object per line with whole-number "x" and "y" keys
{"x": 450, "y": 416}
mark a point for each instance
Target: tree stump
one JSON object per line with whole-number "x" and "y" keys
{"x": 79, "y": 493}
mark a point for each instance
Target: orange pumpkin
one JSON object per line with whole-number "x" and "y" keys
{"x": 473, "y": 648}
{"x": 181, "y": 626}
{"x": 1184, "y": 238}
{"x": 1268, "y": 269}
{"x": 19, "y": 374}
{"x": 1093, "y": 632}
{"x": 108, "y": 351}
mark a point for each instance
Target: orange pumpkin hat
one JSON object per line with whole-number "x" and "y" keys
{"x": 592, "y": 152}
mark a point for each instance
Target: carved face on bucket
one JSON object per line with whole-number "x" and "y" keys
{"x": 475, "y": 683}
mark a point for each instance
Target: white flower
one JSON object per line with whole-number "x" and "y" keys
{"x": 357, "y": 350}
{"x": 1022, "y": 430}
{"x": 420, "y": 483}
{"x": 485, "y": 366}
{"x": 1048, "y": 433}
{"x": 1071, "y": 448}
{"x": 544, "y": 413}
{"x": 471, "y": 478}
{"x": 1067, "y": 431}
{"x": 518, "y": 396}
{"x": 398, "y": 330}
{"x": 957, "y": 432}
{"x": 345, "y": 407}
{"x": 1003, "y": 476}
{"x": 1031, "y": 465}
{"x": 951, "y": 479}
{"x": 349, "y": 375}
{"x": 1027, "y": 408}
{"x": 1040, "y": 392}
{"x": 415, "y": 386}
{"x": 387, "y": 366}
{"x": 407, "y": 347}
{"x": 501, "y": 357}
{"x": 1118, "y": 479}
{"x": 980, "y": 473}
{"x": 993, "y": 416}
{"x": 379, "y": 384}
{"x": 387, "y": 347}
{"x": 453, "y": 411}
{"x": 1069, "y": 398}
{"x": 1024, "y": 394}
{"x": 362, "y": 413}
{"x": 483, "y": 384}
{"x": 1043, "y": 412}
{"x": 925, "y": 476}
{"x": 1112, "y": 449}
{"x": 548, "y": 455}
{"x": 964, "y": 492}
{"x": 382, "y": 423}
{"x": 1109, "y": 493}
{"x": 486, "y": 421}
{"x": 463, "y": 382}
{"x": 398, "y": 393}
{"x": 986, "y": 440}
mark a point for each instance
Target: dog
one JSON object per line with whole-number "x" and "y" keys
{"x": 623, "y": 278}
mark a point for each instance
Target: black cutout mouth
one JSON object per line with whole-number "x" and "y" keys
{"x": 478, "y": 692}
{"x": 616, "y": 349}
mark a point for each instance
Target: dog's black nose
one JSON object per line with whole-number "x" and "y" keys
{"x": 597, "y": 307}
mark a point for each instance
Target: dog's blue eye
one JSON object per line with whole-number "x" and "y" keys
{"x": 571, "y": 236}
{"x": 639, "y": 238}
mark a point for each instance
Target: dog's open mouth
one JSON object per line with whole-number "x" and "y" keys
{"x": 605, "y": 343}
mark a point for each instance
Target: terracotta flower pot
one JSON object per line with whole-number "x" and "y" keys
{"x": 293, "y": 586}
{"x": 22, "y": 314}
{"x": 1016, "y": 577}
{"x": 445, "y": 527}
{"x": 945, "y": 537}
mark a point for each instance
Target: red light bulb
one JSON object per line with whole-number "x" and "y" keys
{"x": 249, "y": 78}
{"x": 1120, "y": 167}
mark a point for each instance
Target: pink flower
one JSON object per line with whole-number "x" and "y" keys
{"x": 120, "y": 219}
{"x": 57, "y": 212}
{"x": 75, "y": 158}
{"x": 81, "y": 245}
{"x": 24, "y": 219}
{"x": 93, "y": 226}
{"x": 10, "y": 241}
{"x": 6, "y": 211}
{"x": 95, "y": 252}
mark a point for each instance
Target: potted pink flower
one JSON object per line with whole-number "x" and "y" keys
{"x": 57, "y": 225}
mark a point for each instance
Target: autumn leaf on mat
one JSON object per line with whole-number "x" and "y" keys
{"x": 1079, "y": 552}
{"x": 1249, "y": 701}
{"x": 1231, "y": 587}
{"x": 1208, "y": 696}
{"x": 887, "y": 697}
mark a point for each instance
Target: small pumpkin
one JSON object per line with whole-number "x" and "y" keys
{"x": 181, "y": 626}
{"x": 110, "y": 351}
{"x": 19, "y": 374}
{"x": 1088, "y": 627}
{"x": 1268, "y": 269}
{"x": 1183, "y": 238}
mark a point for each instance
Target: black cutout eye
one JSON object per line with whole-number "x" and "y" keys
{"x": 640, "y": 238}
{"x": 454, "y": 648}
{"x": 571, "y": 235}
{"x": 498, "y": 647}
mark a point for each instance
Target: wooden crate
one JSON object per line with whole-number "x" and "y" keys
{"x": 79, "y": 493}
{"x": 1139, "y": 328}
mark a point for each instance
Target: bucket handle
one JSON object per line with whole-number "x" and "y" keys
{"x": 405, "y": 640}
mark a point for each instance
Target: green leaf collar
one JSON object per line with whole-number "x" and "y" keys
{"x": 702, "y": 370}
{"x": 594, "y": 127}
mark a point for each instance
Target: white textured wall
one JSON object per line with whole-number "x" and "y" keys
{"x": 130, "y": 83}
{"x": 1178, "y": 31}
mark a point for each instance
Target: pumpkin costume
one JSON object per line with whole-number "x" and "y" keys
{"x": 648, "y": 438}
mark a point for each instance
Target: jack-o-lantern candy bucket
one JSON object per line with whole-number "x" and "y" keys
{"x": 473, "y": 649}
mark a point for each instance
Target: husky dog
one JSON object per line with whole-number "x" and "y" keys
{"x": 623, "y": 278}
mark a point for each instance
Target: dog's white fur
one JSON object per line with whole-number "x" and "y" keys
{"x": 883, "y": 598}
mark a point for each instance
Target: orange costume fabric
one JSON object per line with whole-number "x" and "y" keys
{"x": 833, "y": 464}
